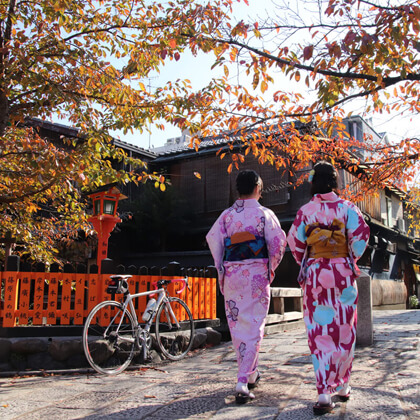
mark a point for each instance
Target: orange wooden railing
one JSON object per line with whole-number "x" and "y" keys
{"x": 38, "y": 298}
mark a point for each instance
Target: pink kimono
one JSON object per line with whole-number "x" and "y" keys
{"x": 330, "y": 291}
{"x": 245, "y": 283}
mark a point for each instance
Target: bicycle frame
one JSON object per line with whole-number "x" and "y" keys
{"x": 128, "y": 305}
{"x": 162, "y": 297}
{"x": 121, "y": 336}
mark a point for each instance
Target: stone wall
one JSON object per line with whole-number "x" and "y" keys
{"x": 64, "y": 353}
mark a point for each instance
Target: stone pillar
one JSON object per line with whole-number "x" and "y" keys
{"x": 364, "y": 333}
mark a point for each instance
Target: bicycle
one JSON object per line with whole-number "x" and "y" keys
{"x": 113, "y": 336}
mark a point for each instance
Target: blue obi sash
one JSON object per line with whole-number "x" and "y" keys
{"x": 245, "y": 246}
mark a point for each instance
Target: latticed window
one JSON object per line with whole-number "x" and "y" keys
{"x": 219, "y": 184}
{"x": 275, "y": 185}
{"x": 215, "y": 190}
{"x": 191, "y": 186}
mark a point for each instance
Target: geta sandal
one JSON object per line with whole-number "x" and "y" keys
{"x": 320, "y": 409}
{"x": 254, "y": 384}
{"x": 345, "y": 397}
{"x": 242, "y": 398}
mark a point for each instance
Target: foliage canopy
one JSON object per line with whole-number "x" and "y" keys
{"x": 312, "y": 63}
{"x": 84, "y": 61}
{"x": 340, "y": 52}
{"x": 87, "y": 61}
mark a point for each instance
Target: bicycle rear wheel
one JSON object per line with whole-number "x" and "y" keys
{"x": 174, "y": 341}
{"x": 109, "y": 338}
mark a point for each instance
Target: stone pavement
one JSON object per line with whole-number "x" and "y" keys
{"x": 385, "y": 384}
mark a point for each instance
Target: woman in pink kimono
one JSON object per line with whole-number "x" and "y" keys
{"x": 247, "y": 244}
{"x": 327, "y": 237}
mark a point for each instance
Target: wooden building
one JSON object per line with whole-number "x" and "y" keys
{"x": 391, "y": 258}
{"x": 200, "y": 178}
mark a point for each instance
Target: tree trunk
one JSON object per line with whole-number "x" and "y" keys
{"x": 4, "y": 111}
{"x": 5, "y": 39}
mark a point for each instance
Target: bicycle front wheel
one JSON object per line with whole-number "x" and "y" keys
{"x": 109, "y": 338}
{"x": 174, "y": 328}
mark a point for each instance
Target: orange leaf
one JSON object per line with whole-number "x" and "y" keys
{"x": 307, "y": 52}
{"x": 264, "y": 86}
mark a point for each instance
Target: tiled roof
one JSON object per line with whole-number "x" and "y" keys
{"x": 174, "y": 149}
{"x": 73, "y": 132}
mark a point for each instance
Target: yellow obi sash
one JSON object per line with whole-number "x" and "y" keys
{"x": 327, "y": 241}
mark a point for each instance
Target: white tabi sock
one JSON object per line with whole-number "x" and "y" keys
{"x": 242, "y": 388}
{"x": 324, "y": 399}
{"x": 345, "y": 390}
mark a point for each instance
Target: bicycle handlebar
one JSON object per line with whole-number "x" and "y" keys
{"x": 163, "y": 282}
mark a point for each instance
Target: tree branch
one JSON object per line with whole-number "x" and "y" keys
{"x": 9, "y": 23}
{"x": 388, "y": 81}
{"x": 20, "y": 197}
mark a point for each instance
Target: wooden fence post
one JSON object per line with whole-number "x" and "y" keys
{"x": 79, "y": 294}
{"x": 55, "y": 279}
{"x": 67, "y": 296}
{"x": 10, "y": 291}
{"x": 66, "y": 293}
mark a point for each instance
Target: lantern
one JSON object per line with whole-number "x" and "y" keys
{"x": 105, "y": 202}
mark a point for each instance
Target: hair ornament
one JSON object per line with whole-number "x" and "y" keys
{"x": 311, "y": 175}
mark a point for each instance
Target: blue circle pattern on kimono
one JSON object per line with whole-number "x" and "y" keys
{"x": 301, "y": 234}
{"x": 315, "y": 362}
{"x": 359, "y": 247}
{"x": 323, "y": 315}
{"x": 352, "y": 220}
{"x": 349, "y": 295}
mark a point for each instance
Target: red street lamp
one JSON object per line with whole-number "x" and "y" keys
{"x": 105, "y": 202}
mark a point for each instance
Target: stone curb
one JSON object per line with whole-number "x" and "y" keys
{"x": 53, "y": 355}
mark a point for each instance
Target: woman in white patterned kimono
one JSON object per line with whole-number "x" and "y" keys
{"x": 327, "y": 238}
{"x": 247, "y": 244}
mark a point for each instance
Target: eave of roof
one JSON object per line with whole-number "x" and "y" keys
{"x": 133, "y": 148}
{"x": 207, "y": 144}
{"x": 74, "y": 132}
{"x": 186, "y": 151}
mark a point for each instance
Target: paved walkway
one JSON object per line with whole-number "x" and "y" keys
{"x": 385, "y": 384}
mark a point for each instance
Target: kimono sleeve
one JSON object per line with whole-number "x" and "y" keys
{"x": 275, "y": 238}
{"x": 215, "y": 239}
{"x": 296, "y": 238}
{"x": 357, "y": 232}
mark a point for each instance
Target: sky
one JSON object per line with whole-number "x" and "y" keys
{"x": 189, "y": 67}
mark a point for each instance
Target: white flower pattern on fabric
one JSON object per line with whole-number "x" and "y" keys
{"x": 246, "y": 284}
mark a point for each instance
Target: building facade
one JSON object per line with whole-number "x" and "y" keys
{"x": 202, "y": 182}
{"x": 391, "y": 259}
